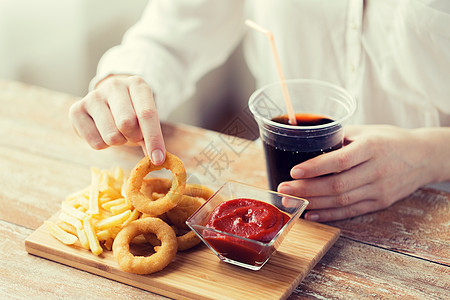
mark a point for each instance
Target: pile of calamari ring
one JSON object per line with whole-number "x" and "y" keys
{"x": 165, "y": 206}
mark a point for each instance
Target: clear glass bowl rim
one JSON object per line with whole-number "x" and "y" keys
{"x": 293, "y": 217}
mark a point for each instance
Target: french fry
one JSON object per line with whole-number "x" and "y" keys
{"x": 103, "y": 235}
{"x": 94, "y": 191}
{"x": 123, "y": 190}
{"x": 135, "y": 214}
{"x": 60, "y": 234}
{"x": 103, "y": 214}
{"x": 82, "y": 209}
{"x": 119, "y": 175}
{"x": 104, "y": 199}
{"x": 84, "y": 193}
{"x": 67, "y": 227}
{"x": 108, "y": 244}
{"x": 112, "y": 221}
{"x": 114, "y": 231}
{"x": 72, "y": 211}
{"x": 96, "y": 214}
{"x": 83, "y": 203}
{"x": 71, "y": 220}
{"x": 109, "y": 204}
{"x": 110, "y": 192}
{"x": 107, "y": 181}
{"x": 94, "y": 244}
{"x": 121, "y": 180}
{"x": 82, "y": 237}
{"x": 120, "y": 208}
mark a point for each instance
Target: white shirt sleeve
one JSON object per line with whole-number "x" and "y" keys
{"x": 174, "y": 44}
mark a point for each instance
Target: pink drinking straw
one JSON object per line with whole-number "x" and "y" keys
{"x": 284, "y": 89}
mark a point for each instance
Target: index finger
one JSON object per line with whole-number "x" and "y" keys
{"x": 336, "y": 161}
{"x": 144, "y": 105}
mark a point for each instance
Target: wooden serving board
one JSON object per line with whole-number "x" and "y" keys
{"x": 198, "y": 273}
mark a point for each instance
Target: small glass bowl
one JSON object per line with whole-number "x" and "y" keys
{"x": 238, "y": 250}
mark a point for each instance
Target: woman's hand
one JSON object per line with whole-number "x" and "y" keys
{"x": 121, "y": 109}
{"x": 377, "y": 166}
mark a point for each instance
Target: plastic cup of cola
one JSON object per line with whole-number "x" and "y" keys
{"x": 321, "y": 110}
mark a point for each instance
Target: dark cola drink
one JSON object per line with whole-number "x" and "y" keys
{"x": 284, "y": 151}
{"x": 322, "y": 109}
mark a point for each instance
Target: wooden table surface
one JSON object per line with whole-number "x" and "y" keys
{"x": 402, "y": 252}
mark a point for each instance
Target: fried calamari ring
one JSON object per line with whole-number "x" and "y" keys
{"x": 170, "y": 200}
{"x": 163, "y": 186}
{"x": 157, "y": 185}
{"x": 162, "y": 217}
{"x": 165, "y": 252}
{"x": 198, "y": 190}
{"x": 185, "y": 208}
{"x": 179, "y": 214}
{"x": 156, "y": 196}
{"x": 177, "y": 217}
{"x": 185, "y": 241}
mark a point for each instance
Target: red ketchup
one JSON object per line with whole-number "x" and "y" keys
{"x": 248, "y": 218}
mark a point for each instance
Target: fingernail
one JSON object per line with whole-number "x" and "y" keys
{"x": 297, "y": 173}
{"x": 312, "y": 217}
{"x": 157, "y": 157}
{"x": 285, "y": 189}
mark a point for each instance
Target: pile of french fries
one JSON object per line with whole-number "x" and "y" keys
{"x": 94, "y": 215}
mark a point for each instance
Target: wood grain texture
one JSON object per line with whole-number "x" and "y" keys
{"x": 42, "y": 160}
{"x": 27, "y": 276}
{"x": 199, "y": 274}
{"x": 352, "y": 270}
{"x": 417, "y": 225}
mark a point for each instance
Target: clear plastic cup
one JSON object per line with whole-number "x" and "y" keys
{"x": 324, "y": 108}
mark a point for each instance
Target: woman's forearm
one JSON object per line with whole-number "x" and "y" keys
{"x": 435, "y": 143}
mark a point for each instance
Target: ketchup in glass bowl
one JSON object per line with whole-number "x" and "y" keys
{"x": 244, "y": 225}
